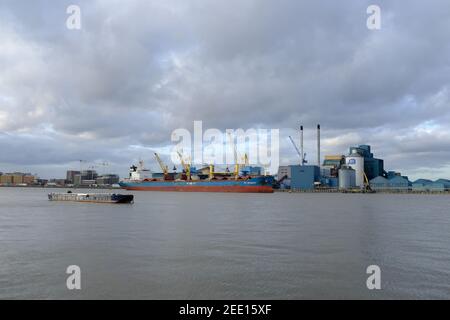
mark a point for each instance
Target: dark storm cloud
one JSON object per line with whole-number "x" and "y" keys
{"x": 138, "y": 70}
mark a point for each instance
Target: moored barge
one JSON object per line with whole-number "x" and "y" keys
{"x": 92, "y": 197}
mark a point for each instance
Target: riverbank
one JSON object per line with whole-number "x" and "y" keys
{"x": 363, "y": 191}
{"x": 63, "y": 187}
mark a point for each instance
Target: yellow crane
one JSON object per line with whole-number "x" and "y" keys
{"x": 236, "y": 164}
{"x": 366, "y": 183}
{"x": 211, "y": 171}
{"x": 246, "y": 162}
{"x": 164, "y": 167}
{"x": 186, "y": 166}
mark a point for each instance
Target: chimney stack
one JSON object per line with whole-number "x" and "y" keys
{"x": 301, "y": 146}
{"x": 318, "y": 145}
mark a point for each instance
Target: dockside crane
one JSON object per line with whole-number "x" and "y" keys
{"x": 366, "y": 183}
{"x": 164, "y": 167}
{"x": 186, "y": 166}
{"x": 237, "y": 166}
{"x": 302, "y": 157}
{"x": 246, "y": 162}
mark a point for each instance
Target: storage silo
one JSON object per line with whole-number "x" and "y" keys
{"x": 347, "y": 178}
{"x": 356, "y": 161}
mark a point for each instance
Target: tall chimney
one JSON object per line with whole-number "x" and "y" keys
{"x": 301, "y": 146}
{"x": 318, "y": 145}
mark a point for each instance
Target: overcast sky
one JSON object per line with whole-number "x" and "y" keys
{"x": 116, "y": 89}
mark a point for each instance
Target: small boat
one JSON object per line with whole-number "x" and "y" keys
{"x": 92, "y": 197}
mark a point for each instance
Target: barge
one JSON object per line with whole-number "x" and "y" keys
{"x": 92, "y": 197}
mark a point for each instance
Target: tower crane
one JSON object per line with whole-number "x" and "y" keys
{"x": 81, "y": 164}
{"x": 103, "y": 164}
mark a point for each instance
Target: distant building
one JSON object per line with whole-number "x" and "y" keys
{"x": 17, "y": 178}
{"x": 89, "y": 175}
{"x": 88, "y": 182}
{"x": 29, "y": 179}
{"x": 108, "y": 179}
{"x": 70, "y": 176}
{"x": 84, "y": 178}
{"x": 56, "y": 182}
{"x": 77, "y": 179}
{"x": 6, "y": 179}
{"x": 41, "y": 182}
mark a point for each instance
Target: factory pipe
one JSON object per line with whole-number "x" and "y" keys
{"x": 301, "y": 146}
{"x": 318, "y": 145}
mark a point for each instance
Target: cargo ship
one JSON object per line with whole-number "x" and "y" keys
{"x": 242, "y": 180}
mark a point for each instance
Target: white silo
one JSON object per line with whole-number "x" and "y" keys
{"x": 356, "y": 161}
{"x": 347, "y": 178}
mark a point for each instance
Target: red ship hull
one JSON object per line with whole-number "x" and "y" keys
{"x": 235, "y": 189}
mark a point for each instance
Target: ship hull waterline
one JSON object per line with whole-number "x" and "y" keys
{"x": 252, "y": 185}
{"x": 220, "y": 189}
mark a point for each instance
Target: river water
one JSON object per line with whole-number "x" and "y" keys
{"x": 225, "y": 246}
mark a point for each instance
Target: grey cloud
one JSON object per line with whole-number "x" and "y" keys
{"x": 139, "y": 70}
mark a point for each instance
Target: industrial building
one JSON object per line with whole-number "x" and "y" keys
{"x": 395, "y": 183}
{"x": 331, "y": 165}
{"x": 347, "y": 177}
{"x": 373, "y": 167}
{"x": 304, "y": 177}
{"x": 424, "y": 185}
{"x": 284, "y": 171}
{"x": 360, "y": 169}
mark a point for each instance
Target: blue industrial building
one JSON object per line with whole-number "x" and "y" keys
{"x": 445, "y": 182}
{"x": 424, "y": 185}
{"x": 395, "y": 183}
{"x": 304, "y": 177}
{"x": 379, "y": 183}
{"x": 329, "y": 182}
{"x": 399, "y": 183}
{"x": 373, "y": 167}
